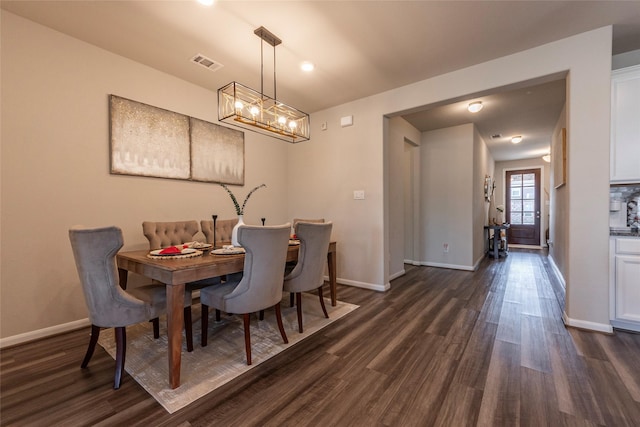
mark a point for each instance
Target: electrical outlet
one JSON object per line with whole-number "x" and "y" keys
{"x": 358, "y": 195}
{"x": 445, "y": 248}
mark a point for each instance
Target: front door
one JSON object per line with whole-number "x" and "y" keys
{"x": 523, "y": 206}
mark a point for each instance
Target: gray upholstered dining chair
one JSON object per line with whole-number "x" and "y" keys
{"x": 223, "y": 230}
{"x": 261, "y": 284}
{"x": 163, "y": 234}
{"x": 308, "y": 274}
{"x": 108, "y": 304}
{"x": 315, "y": 221}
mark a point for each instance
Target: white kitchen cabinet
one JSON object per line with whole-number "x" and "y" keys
{"x": 625, "y": 125}
{"x": 625, "y": 277}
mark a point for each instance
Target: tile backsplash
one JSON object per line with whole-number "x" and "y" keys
{"x": 623, "y": 206}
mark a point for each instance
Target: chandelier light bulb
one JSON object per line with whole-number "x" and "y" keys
{"x": 238, "y": 105}
{"x": 293, "y": 125}
{"x": 282, "y": 120}
{"x": 254, "y": 111}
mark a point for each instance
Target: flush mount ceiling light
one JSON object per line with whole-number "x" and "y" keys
{"x": 516, "y": 139}
{"x": 547, "y": 158}
{"x": 474, "y": 107}
{"x": 244, "y": 107}
{"x": 307, "y": 66}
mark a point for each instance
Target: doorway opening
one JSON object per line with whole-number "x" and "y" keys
{"x": 522, "y": 206}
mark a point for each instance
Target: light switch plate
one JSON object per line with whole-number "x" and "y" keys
{"x": 358, "y": 195}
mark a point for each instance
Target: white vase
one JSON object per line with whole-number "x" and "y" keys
{"x": 234, "y": 232}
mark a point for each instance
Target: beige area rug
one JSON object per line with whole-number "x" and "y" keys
{"x": 223, "y": 359}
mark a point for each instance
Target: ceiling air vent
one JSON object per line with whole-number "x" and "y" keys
{"x": 207, "y": 63}
{"x": 496, "y": 136}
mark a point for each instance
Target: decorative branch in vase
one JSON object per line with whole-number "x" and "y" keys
{"x": 500, "y": 209}
{"x": 239, "y": 210}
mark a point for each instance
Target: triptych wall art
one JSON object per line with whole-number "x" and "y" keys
{"x": 150, "y": 141}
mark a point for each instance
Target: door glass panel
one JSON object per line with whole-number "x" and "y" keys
{"x": 516, "y": 192}
{"x": 516, "y": 218}
{"x": 516, "y": 179}
{"x": 528, "y": 180}
{"x": 528, "y": 218}
{"x": 528, "y": 205}
{"x": 528, "y": 193}
{"x": 516, "y": 205}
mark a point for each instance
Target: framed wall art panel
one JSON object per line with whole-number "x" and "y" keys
{"x": 217, "y": 153}
{"x": 148, "y": 141}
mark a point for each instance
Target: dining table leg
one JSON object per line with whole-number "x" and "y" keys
{"x": 333, "y": 286}
{"x": 175, "y": 320}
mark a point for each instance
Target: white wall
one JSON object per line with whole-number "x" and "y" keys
{"x": 356, "y": 162}
{"x": 401, "y": 201}
{"x": 55, "y": 167}
{"x": 483, "y": 165}
{"x": 559, "y": 209}
{"x": 447, "y": 196}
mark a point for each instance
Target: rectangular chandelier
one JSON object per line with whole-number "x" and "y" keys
{"x": 244, "y": 107}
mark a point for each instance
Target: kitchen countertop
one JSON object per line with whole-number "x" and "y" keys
{"x": 624, "y": 233}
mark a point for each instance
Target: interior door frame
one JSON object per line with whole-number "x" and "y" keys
{"x": 544, "y": 208}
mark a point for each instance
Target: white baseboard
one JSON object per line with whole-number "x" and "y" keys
{"x": 398, "y": 274}
{"x": 411, "y": 262}
{"x": 585, "y": 324}
{"x": 363, "y": 285}
{"x": 451, "y": 266}
{"x": 42, "y": 333}
{"x": 557, "y": 272}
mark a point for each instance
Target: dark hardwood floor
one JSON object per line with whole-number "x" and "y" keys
{"x": 441, "y": 348}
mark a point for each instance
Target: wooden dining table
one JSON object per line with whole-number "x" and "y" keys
{"x": 174, "y": 273}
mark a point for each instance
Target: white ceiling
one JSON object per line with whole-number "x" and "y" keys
{"x": 359, "y": 47}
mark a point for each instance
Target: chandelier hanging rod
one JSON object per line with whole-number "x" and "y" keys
{"x": 273, "y": 40}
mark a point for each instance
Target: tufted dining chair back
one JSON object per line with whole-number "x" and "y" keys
{"x": 224, "y": 228}
{"x": 163, "y": 234}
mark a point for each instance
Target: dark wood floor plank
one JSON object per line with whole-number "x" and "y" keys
{"x": 441, "y": 347}
{"x": 534, "y": 354}
{"x": 625, "y": 360}
{"x": 571, "y": 380}
{"x": 501, "y": 398}
{"x": 538, "y": 400}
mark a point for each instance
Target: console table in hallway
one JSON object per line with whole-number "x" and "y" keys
{"x": 496, "y": 239}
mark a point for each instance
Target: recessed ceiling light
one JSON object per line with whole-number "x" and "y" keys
{"x": 474, "y": 107}
{"x": 206, "y": 2}
{"x": 307, "y": 66}
{"x": 516, "y": 139}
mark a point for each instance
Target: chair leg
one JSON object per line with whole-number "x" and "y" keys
{"x": 324, "y": 309}
{"x": 188, "y": 328}
{"x": 247, "y": 336}
{"x": 280, "y": 326}
{"x": 156, "y": 327}
{"x": 121, "y": 351}
{"x": 217, "y": 315}
{"x": 95, "y": 333}
{"x": 299, "y": 310}
{"x": 204, "y": 323}
{"x": 291, "y": 299}
{"x": 261, "y": 315}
